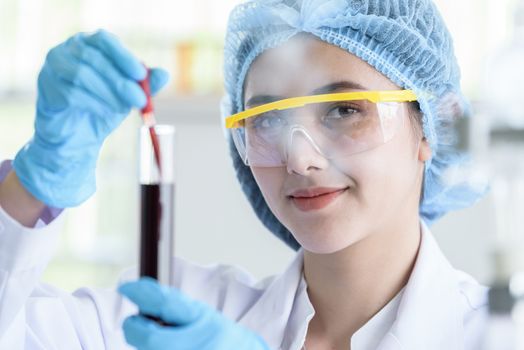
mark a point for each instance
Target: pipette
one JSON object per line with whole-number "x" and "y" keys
{"x": 148, "y": 117}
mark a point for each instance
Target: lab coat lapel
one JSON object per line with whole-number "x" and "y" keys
{"x": 430, "y": 313}
{"x": 270, "y": 314}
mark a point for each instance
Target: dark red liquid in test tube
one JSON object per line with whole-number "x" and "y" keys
{"x": 156, "y": 207}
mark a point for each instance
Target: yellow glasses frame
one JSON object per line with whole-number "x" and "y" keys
{"x": 293, "y": 102}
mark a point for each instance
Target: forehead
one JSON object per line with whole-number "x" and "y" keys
{"x": 305, "y": 63}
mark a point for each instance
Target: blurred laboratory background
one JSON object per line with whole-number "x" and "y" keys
{"x": 214, "y": 223}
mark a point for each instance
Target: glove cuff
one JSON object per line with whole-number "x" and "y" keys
{"x": 42, "y": 174}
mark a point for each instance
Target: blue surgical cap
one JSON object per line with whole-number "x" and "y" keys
{"x": 406, "y": 40}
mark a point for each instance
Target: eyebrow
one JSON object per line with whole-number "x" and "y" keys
{"x": 337, "y": 86}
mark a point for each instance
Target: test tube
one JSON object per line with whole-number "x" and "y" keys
{"x": 157, "y": 193}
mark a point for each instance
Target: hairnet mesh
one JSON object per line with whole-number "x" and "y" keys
{"x": 406, "y": 40}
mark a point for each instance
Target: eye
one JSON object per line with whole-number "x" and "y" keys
{"x": 268, "y": 121}
{"x": 340, "y": 112}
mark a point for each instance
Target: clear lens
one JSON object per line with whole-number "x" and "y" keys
{"x": 337, "y": 129}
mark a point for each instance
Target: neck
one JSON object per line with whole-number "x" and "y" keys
{"x": 348, "y": 287}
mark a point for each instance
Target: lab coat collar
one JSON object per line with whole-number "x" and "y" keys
{"x": 429, "y": 315}
{"x": 284, "y": 310}
{"x": 430, "y": 312}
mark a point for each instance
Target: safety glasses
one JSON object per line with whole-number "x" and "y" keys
{"x": 334, "y": 125}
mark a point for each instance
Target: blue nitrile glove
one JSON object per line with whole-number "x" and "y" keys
{"x": 196, "y": 326}
{"x": 86, "y": 88}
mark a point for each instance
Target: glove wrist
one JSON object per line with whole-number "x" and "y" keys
{"x": 46, "y": 176}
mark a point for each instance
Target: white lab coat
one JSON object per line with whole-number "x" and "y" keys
{"x": 439, "y": 309}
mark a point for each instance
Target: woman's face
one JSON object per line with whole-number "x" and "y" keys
{"x": 371, "y": 191}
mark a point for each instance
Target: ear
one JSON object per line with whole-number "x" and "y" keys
{"x": 424, "y": 151}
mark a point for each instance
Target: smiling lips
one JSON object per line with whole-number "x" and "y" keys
{"x": 315, "y": 198}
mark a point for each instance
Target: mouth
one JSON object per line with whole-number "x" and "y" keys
{"x": 315, "y": 198}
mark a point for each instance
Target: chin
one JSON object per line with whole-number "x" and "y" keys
{"x": 325, "y": 242}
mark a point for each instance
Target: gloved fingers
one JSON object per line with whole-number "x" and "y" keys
{"x": 169, "y": 304}
{"x": 158, "y": 78}
{"x": 209, "y": 330}
{"x": 147, "y": 334}
{"x": 61, "y": 63}
{"x": 55, "y": 123}
{"x": 117, "y": 53}
{"x": 56, "y": 95}
{"x": 139, "y": 331}
{"x": 125, "y": 89}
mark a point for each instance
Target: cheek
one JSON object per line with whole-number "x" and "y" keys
{"x": 368, "y": 172}
{"x": 399, "y": 172}
{"x": 270, "y": 182}
{"x": 385, "y": 176}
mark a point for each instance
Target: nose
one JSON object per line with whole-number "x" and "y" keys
{"x": 303, "y": 155}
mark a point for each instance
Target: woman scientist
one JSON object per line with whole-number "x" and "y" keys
{"x": 337, "y": 114}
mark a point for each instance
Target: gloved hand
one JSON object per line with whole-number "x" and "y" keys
{"x": 197, "y": 326}
{"x": 86, "y": 88}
